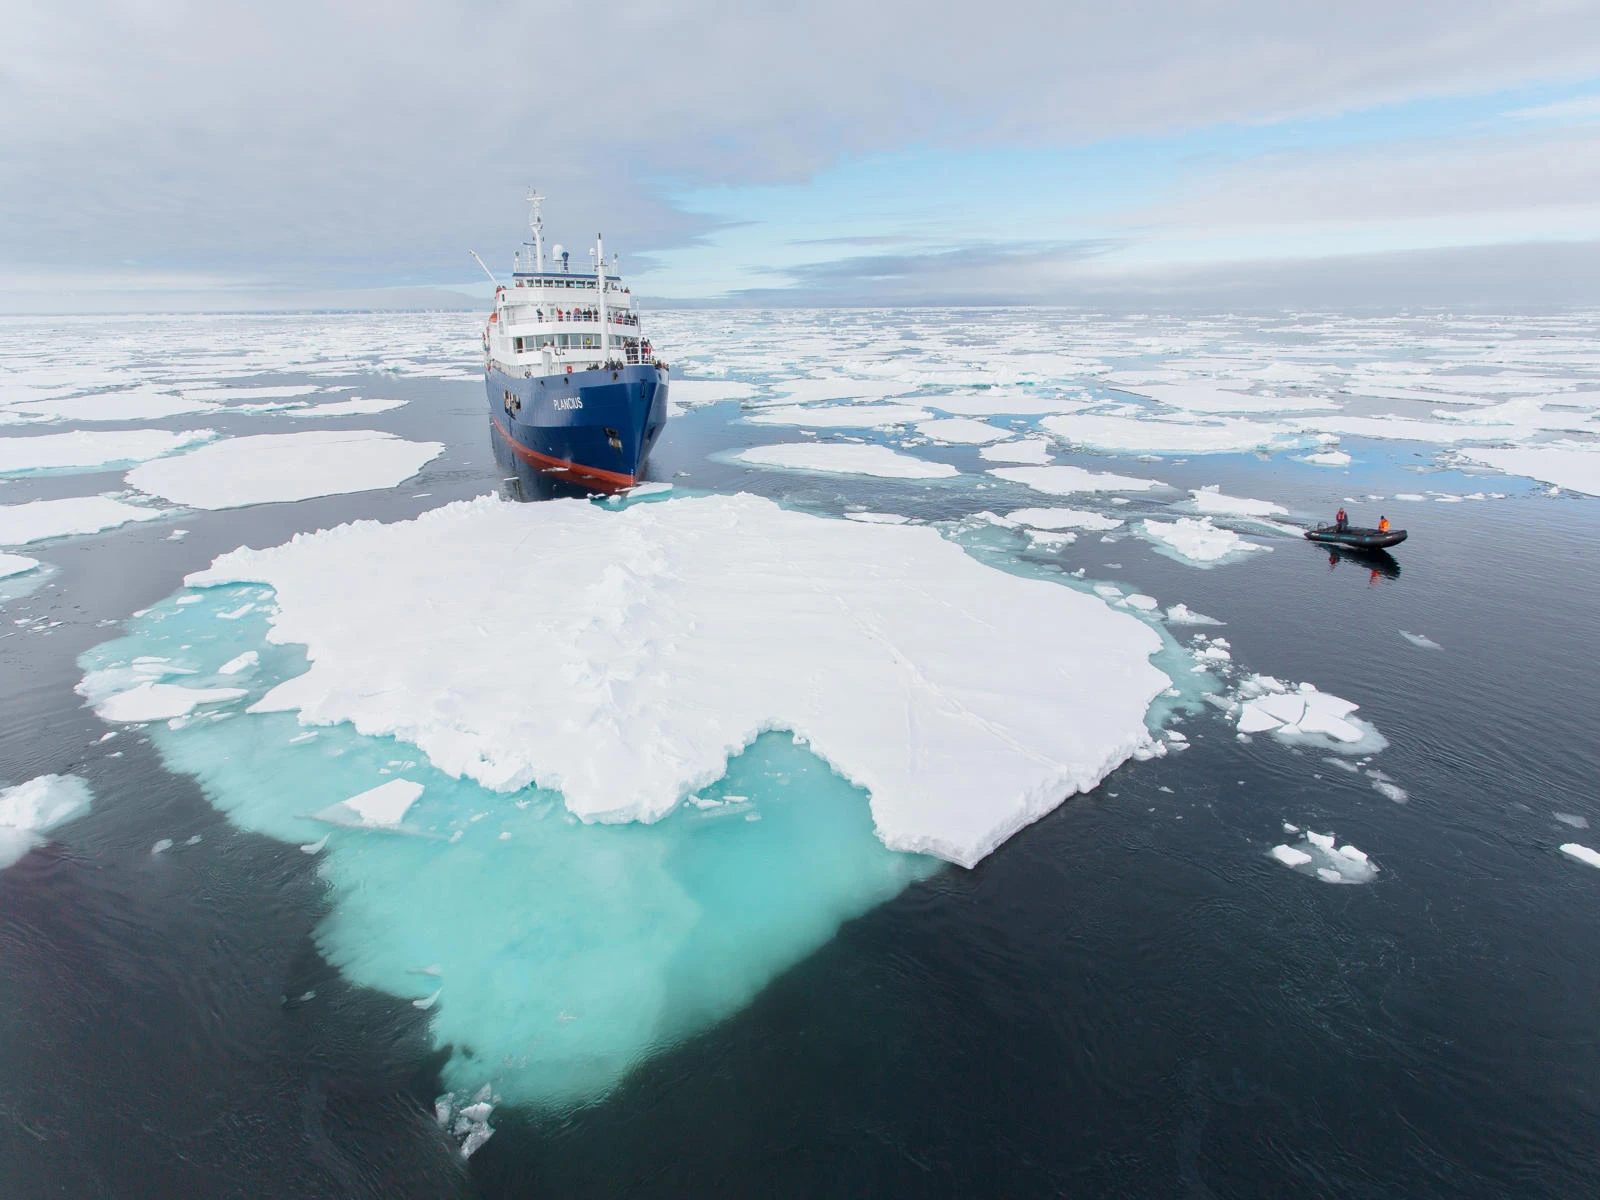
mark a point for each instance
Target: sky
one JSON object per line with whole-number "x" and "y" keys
{"x": 169, "y": 154}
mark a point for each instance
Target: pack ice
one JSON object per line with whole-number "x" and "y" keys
{"x": 622, "y": 656}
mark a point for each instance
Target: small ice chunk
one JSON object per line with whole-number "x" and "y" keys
{"x": 381, "y": 807}
{"x": 1329, "y": 875}
{"x": 1573, "y": 820}
{"x": 161, "y": 847}
{"x": 1391, "y": 790}
{"x": 1289, "y": 856}
{"x": 1182, "y": 614}
{"x": 160, "y": 702}
{"x": 1582, "y": 853}
{"x": 1422, "y": 640}
{"x": 428, "y": 1001}
{"x": 1323, "y": 841}
{"x": 1143, "y": 603}
{"x": 234, "y": 665}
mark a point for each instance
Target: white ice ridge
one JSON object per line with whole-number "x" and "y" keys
{"x": 1068, "y": 481}
{"x": 1211, "y": 501}
{"x": 667, "y": 636}
{"x": 32, "y": 809}
{"x": 843, "y": 458}
{"x": 1197, "y": 541}
{"x": 268, "y": 468}
{"x": 38, "y": 520}
{"x": 839, "y": 416}
{"x": 83, "y": 450}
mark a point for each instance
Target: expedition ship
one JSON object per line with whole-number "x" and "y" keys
{"x": 574, "y": 387}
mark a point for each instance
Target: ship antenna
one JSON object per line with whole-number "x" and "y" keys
{"x": 536, "y": 223}
{"x": 486, "y": 270}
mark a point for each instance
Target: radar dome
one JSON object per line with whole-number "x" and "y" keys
{"x": 559, "y": 250}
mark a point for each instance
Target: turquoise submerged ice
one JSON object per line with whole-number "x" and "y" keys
{"x": 552, "y": 954}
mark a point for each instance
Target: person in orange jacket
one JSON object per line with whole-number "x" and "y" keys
{"x": 1383, "y": 524}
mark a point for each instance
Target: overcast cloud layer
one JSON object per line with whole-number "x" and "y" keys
{"x": 307, "y": 148}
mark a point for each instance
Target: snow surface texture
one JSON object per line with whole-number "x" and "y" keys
{"x": 90, "y": 450}
{"x": 269, "y": 468}
{"x": 877, "y": 645}
{"x": 1197, "y": 541}
{"x": 38, "y": 520}
{"x": 843, "y": 458}
{"x": 31, "y": 810}
{"x": 552, "y": 955}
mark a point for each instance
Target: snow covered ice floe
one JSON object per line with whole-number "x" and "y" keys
{"x": 667, "y": 636}
{"x": 1182, "y": 614}
{"x": 1262, "y": 704}
{"x": 157, "y": 701}
{"x": 1571, "y": 465}
{"x": 15, "y": 564}
{"x": 740, "y": 573}
{"x": 88, "y": 450}
{"x": 1197, "y": 542}
{"x": 1319, "y": 856}
{"x": 1062, "y": 518}
{"x": 1325, "y": 458}
{"x": 843, "y": 458}
{"x": 1211, "y": 502}
{"x": 30, "y": 810}
{"x": 962, "y": 430}
{"x": 1115, "y": 434}
{"x": 38, "y": 520}
{"x": 270, "y": 468}
{"x": 1068, "y": 480}
{"x": 838, "y": 416}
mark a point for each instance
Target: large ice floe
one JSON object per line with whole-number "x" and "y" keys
{"x": 839, "y": 416}
{"x": 554, "y": 793}
{"x": 88, "y": 450}
{"x": 1069, "y": 481}
{"x": 267, "y": 468}
{"x": 1571, "y": 465}
{"x": 1158, "y": 435}
{"x": 37, "y": 520}
{"x": 844, "y": 458}
{"x": 32, "y": 809}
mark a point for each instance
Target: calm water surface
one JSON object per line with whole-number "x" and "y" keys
{"x": 1128, "y": 998}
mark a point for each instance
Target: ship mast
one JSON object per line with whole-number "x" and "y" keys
{"x": 536, "y": 223}
{"x": 600, "y": 282}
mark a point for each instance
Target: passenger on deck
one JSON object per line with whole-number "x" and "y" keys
{"x": 1340, "y": 521}
{"x": 1383, "y": 524}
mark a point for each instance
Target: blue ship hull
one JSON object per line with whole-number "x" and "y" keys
{"x": 595, "y": 426}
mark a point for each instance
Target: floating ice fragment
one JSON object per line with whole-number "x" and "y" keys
{"x": 238, "y": 663}
{"x": 1573, "y": 820}
{"x": 1289, "y": 856}
{"x": 1391, "y": 790}
{"x": 270, "y": 468}
{"x": 1182, "y": 614}
{"x": 161, "y": 847}
{"x": 30, "y": 810}
{"x": 381, "y": 807}
{"x": 843, "y": 458}
{"x": 158, "y": 702}
{"x": 1326, "y": 458}
{"x": 316, "y": 846}
{"x": 1067, "y": 480}
{"x": 877, "y": 518}
{"x": 1062, "y": 518}
{"x": 1197, "y": 541}
{"x": 1210, "y": 501}
{"x": 1582, "y": 853}
{"x": 428, "y": 1001}
{"x": 1422, "y": 640}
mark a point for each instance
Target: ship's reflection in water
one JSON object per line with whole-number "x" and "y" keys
{"x": 1380, "y": 563}
{"x": 522, "y": 482}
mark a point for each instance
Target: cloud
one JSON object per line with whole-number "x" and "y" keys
{"x": 1498, "y": 278}
{"x": 353, "y": 144}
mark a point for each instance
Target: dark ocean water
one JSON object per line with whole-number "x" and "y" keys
{"x": 1129, "y": 998}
